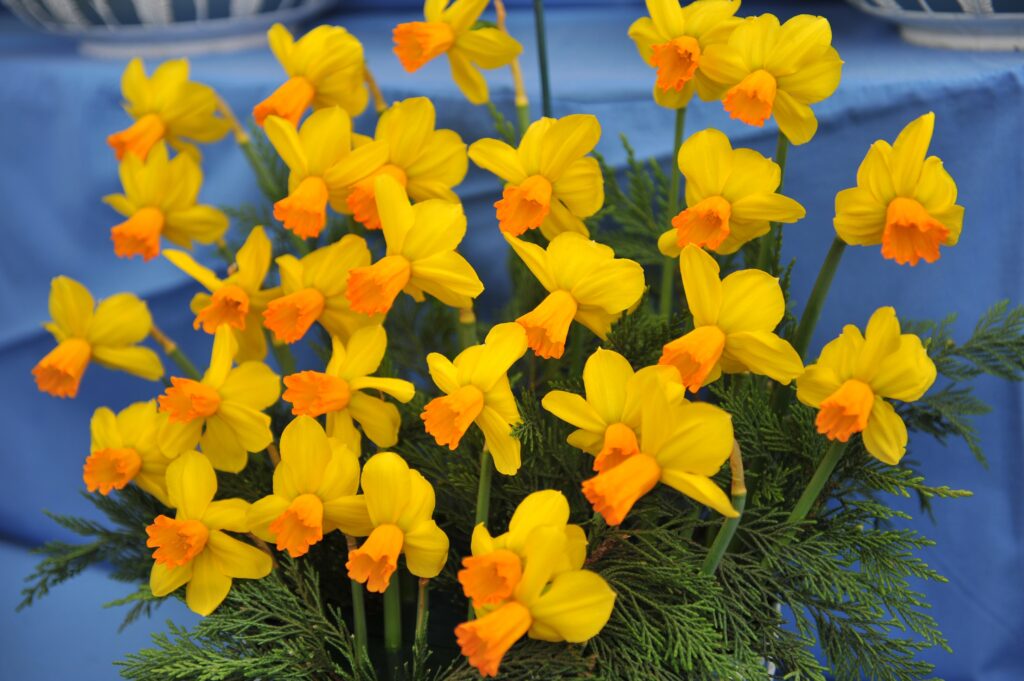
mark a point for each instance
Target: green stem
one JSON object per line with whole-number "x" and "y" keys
{"x": 821, "y": 476}
{"x": 467, "y": 328}
{"x": 728, "y": 528}
{"x": 174, "y": 353}
{"x": 422, "y": 610}
{"x": 483, "y": 490}
{"x": 542, "y": 57}
{"x": 523, "y": 114}
{"x": 809, "y": 319}
{"x": 771, "y": 243}
{"x": 393, "y": 625}
{"x": 263, "y": 177}
{"x": 358, "y": 610}
{"x": 668, "y": 266}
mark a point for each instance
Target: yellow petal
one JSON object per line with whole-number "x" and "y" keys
{"x": 503, "y": 346}
{"x": 752, "y": 300}
{"x": 532, "y": 144}
{"x": 208, "y": 587}
{"x": 439, "y": 228}
{"x": 467, "y": 77}
{"x": 699, "y": 439}
{"x": 613, "y": 287}
{"x": 138, "y": 361}
{"x": 499, "y": 158}
{"x": 227, "y": 514}
{"x": 341, "y": 476}
{"x": 349, "y": 515}
{"x": 264, "y": 511}
{"x": 386, "y": 486}
{"x": 234, "y": 558}
{"x": 400, "y": 389}
{"x": 701, "y": 489}
{"x": 667, "y": 16}
{"x": 253, "y": 259}
{"x": 253, "y": 384}
{"x": 575, "y": 410}
{"x": 504, "y": 448}
{"x": 191, "y": 484}
{"x": 396, "y": 213}
{"x": 163, "y": 580}
{"x": 797, "y": 38}
{"x": 184, "y": 262}
{"x": 885, "y": 436}
{"x": 546, "y": 507}
{"x": 176, "y": 438}
{"x": 705, "y": 159}
{"x": 426, "y": 549}
{"x": 842, "y": 354}
{"x": 222, "y": 446}
{"x": 581, "y": 187}
{"x": 575, "y": 607}
{"x": 796, "y": 120}
{"x": 251, "y": 426}
{"x": 860, "y": 217}
{"x": 814, "y": 81}
{"x": 364, "y": 352}
{"x": 544, "y": 551}
{"x": 324, "y": 136}
{"x": 71, "y": 306}
{"x": 908, "y": 153}
{"x": 536, "y": 260}
{"x": 569, "y": 139}
{"x": 285, "y": 139}
{"x": 645, "y": 34}
{"x": 104, "y": 431}
{"x": 701, "y": 285}
{"x": 881, "y": 339}
{"x": 222, "y": 356}
{"x": 488, "y": 48}
{"x": 443, "y": 372}
{"x": 441, "y": 165}
{"x": 771, "y": 207}
{"x": 764, "y": 353}
{"x": 605, "y": 375}
{"x": 815, "y": 384}
{"x": 462, "y": 14}
{"x": 907, "y": 373}
{"x": 380, "y": 420}
{"x": 305, "y": 453}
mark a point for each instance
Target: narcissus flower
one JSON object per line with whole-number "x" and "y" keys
{"x": 159, "y": 200}
{"x": 315, "y": 489}
{"x": 313, "y": 290}
{"x": 585, "y": 282}
{"x": 400, "y": 502}
{"x": 325, "y": 68}
{"x": 427, "y": 162}
{"x": 734, "y": 325}
{"x": 322, "y": 165}
{"x": 672, "y": 40}
{"x": 448, "y": 29}
{"x": 477, "y": 391}
{"x": 767, "y": 70}
{"x": 730, "y": 196}
{"x": 108, "y": 334}
{"x": 551, "y": 182}
{"x": 344, "y": 391}
{"x": 855, "y": 374}
{"x": 904, "y": 199}
{"x": 124, "y": 449}
{"x": 420, "y": 257}
{"x": 223, "y": 412}
{"x": 239, "y": 299}
{"x": 193, "y": 547}
{"x": 167, "y": 106}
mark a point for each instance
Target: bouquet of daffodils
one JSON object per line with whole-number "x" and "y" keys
{"x": 681, "y": 490}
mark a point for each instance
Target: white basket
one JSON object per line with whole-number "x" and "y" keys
{"x": 966, "y": 25}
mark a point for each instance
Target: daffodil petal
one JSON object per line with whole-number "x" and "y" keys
{"x": 885, "y": 436}
{"x": 234, "y": 558}
{"x": 208, "y": 587}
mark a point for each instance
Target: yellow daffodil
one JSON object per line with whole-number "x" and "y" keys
{"x": 223, "y": 412}
{"x": 734, "y": 323}
{"x": 400, "y": 503}
{"x": 476, "y": 390}
{"x": 315, "y": 488}
{"x": 427, "y": 162}
{"x": 904, "y": 199}
{"x": 767, "y": 70}
{"x": 124, "y": 449}
{"x": 730, "y": 196}
{"x": 193, "y": 547}
{"x": 585, "y": 282}
{"x": 345, "y": 390}
{"x": 239, "y": 299}
{"x": 551, "y": 183}
{"x": 108, "y": 334}
{"x": 159, "y": 200}
{"x": 672, "y": 40}
{"x": 325, "y": 68}
{"x": 448, "y": 29}
{"x": 552, "y": 600}
{"x": 167, "y": 106}
{"x": 313, "y": 290}
{"x": 855, "y": 374}
{"x": 682, "y": 444}
{"x": 608, "y": 418}
{"x": 420, "y": 257}
{"x": 322, "y": 165}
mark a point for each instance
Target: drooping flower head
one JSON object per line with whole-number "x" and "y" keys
{"x": 193, "y": 547}
{"x": 585, "y": 282}
{"x": 420, "y": 258}
{"x": 730, "y": 196}
{"x": 448, "y": 29}
{"x": 855, "y": 374}
{"x": 167, "y": 106}
{"x": 222, "y": 412}
{"x": 325, "y": 68}
{"x": 124, "y": 449}
{"x": 904, "y": 199}
{"x": 346, "y": 391}
{"x": 315, "y": 487}
{"x": 551, "y": 183}
{"x": 767, "y": 70}
{"x": 400, "y": 502}
{"x": 476, "y": 390}
{"x": 672, "y": 40}
{"x": 108, "y": 334}
{"x": 159, "y": 200}
{"x": 322, "y": 165}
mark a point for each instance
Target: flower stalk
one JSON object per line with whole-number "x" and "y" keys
{"x": 727, "y": 531}
{"x": 521, "y": 100}
{"x": 542, "y": 57}
{"x": 467, "y": 328}
{"x": 358, "y": 608}
{"x": 263, "y": 177}
{"x": 393, "y": 626}
{"x": 380, "y": 104}
{"x": 171, "y": 349}
{"x": 422, "y": 613}
{"x": 771, "y": 243}
{"x": 821, "y": 475}
{"x": 809, "y": 319}
{"x": 668, "y": 266}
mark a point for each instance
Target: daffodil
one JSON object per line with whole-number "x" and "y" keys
{"x": 313, "y": 290}
{"x": 193, "y": 547}
{"x": 448, "y": 29}
{"x": 585, "y": 282}
{"x": 167, "y": 106}
{"x": 730, "y": 196}
{"x": 239, "y": 299}
{"x": 400, "y": 503}
{"x": 345, "y": 390}
{"x": 124, "y": 449}
{"x": 223, "y": 412}
{"x": 551, "y": 183}
{"x": 420, "y": 257}
{"x": 767, "y": 70}
{"x": 856, "y": 373}
{"x": 315, "y": 487}
{"x": 427, "y": 162}
{"x": 322, "y": 165}
{"x": 108, "y": 334}
{"x": 672, "y": 40}
{"x": 476, "y": 390}
{"x": 904, "y": 199}
{"x": 159, "y": 200}
{"x": 325, "y": 68}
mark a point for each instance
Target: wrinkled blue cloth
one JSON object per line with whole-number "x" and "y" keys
{"x": 56, "y": 109}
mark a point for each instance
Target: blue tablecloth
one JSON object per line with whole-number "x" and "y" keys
{"x": 56, "y": 109}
